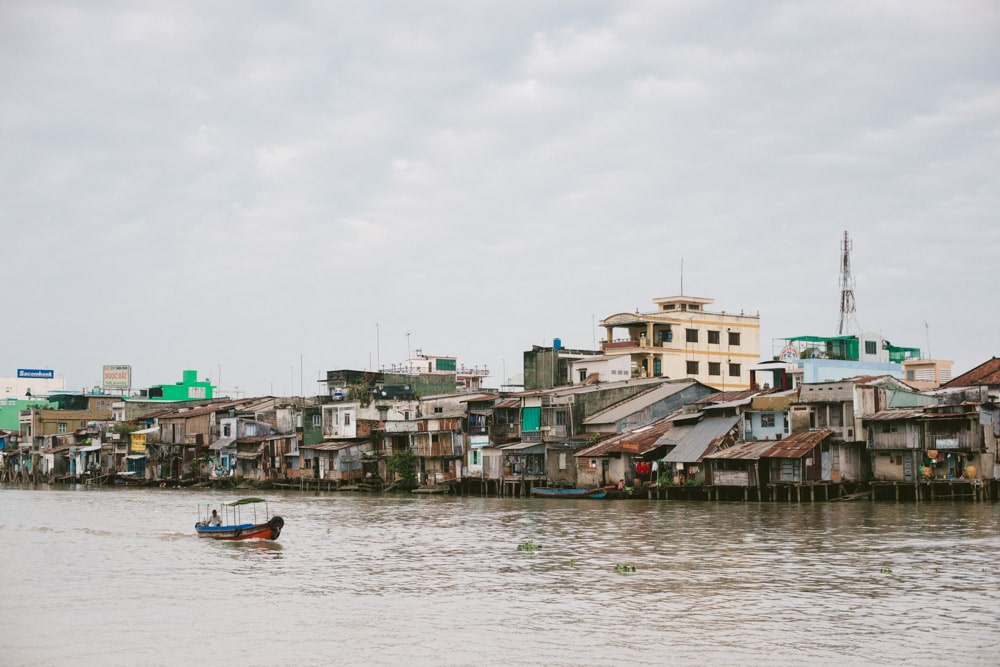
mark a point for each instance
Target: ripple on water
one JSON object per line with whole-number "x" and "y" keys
{"x": 401, "y": 580}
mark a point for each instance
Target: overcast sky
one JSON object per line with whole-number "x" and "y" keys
{"x": 259, "y": 187}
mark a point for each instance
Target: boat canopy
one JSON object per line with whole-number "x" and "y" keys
{"x": 245, "y": 501}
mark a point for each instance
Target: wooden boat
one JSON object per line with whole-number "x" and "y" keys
{"x": 546, "y": 492}
{"x": 233, "y": 527}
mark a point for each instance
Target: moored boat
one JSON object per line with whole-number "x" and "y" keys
{"x": 231, "y": 526}
{"x": 546, "y": 492}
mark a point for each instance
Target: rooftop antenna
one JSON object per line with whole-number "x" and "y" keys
{"x": 847, "y": 315}
{"x": 927, "y": 332}
{"x": 682, "y": 276}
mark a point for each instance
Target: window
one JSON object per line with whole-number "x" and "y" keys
{"x": 692, "y": 368}
{"x": 347, "y": 419}
{"x": 767, "y": 420}
{"x": 692, "y": 335}
{"x": 475, "y": 457}
{"x": 734, "y": 338}
{"x": 316, "y": 421}
{"x": 562, "y": 460}
{"x": 668, "y": 306}
{"x": 713, "y": 337}
{"x": 438, "y": 410}
{"x": 694, "y": 307}
{"x": 734, "y": 370}
{"x": 871, "y": 347}
{"x": 714, "y": 368}
{"x": 560, "y": 418}
{"x": 62, "y": 427}
{"x": 226, "y": 429}
{"x": 251, "y": 429}
{"x": 593, "y": 463}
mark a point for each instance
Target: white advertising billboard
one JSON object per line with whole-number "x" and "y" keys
{"x": 117, "y": 377}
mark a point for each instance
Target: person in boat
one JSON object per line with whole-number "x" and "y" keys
{"x": 215, "y": 519}
{"x": 621, "y": 485}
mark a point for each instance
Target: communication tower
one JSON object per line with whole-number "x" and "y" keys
{"x": 848, "y": 319}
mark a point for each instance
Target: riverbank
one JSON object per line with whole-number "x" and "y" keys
{"x": 924, "y": 490}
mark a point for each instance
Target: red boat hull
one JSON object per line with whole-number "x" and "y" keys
{"x": 260, "y": 531}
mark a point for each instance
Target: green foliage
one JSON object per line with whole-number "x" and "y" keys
{"x": 361, "y": 393}
{"x": 886, "y": 570}
{"x": 404, "y": 465}
{"x": 528, "y": 545}
{"x": 622, "y": 569}
{"x": 123, "y": 428}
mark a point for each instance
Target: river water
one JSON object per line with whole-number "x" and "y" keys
{"x": 118, "y": 577}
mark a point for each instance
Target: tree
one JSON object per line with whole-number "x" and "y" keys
{"x": 404, "y": 465}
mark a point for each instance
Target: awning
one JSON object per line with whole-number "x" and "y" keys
{"x": 524, "y": 448}
{"x": 89, "y": 448}
{"x": 221, "y": 443}
{"x": 248, "y": 456}
{"x": 136, "y": 456}
{"x": 331, "y": 445}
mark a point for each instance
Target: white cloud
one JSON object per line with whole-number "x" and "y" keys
{"x": 509, "y": 171}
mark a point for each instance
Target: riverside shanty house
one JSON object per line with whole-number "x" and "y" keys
{"x": 711, "y": 423}
{"x": 265, "y": 457}
{"x": 933, "y": 442}
{"x": 616, "y": 459}
{"x": 771, "y": 469}
{"x": 534, "y": 435}
{"x": 346, "y": 443}
{"x": 198, "y": 440}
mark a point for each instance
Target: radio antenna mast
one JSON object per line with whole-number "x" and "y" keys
{"x": 848, "y": 319}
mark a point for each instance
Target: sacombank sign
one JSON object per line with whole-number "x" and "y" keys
{"x": 36, "y": 373}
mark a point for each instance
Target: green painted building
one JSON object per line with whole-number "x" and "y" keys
{"x": 188, "y": 389}
{"x": 10, "y": 411}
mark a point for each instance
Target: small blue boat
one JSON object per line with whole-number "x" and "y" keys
{"x": 545, "y": 492}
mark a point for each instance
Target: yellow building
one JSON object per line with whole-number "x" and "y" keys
{"x": 681, "y": 339}
{"x": 926, "y": 374}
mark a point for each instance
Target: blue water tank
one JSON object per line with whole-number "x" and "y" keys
{"x": 557, "y": 344}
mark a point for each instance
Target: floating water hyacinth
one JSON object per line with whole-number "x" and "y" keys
{"x": 620, "y": 568}
{"x": 528, "y": 545}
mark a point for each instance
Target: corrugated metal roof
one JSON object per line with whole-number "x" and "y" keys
{"x": 697, "y": 441}
{"x": 895, "y": 414}
{"x": 729, "y": 396}
{"x": 633, "y": 442}
{"x": 796, "y": 445}
{"x": 747, "y": 451}
{"x": 508, "y": 403}
{"x": 637, "y": 403}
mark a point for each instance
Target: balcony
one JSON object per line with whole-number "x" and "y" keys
{"x": 619, "y": 344}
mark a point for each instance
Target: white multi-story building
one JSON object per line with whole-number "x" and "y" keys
{"x": 681, "y": 339}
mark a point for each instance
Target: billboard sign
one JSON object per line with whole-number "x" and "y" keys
{"x": 35, "y": 373}
{"x": 117, "y": 377}
{"x": 138, "y": 442}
